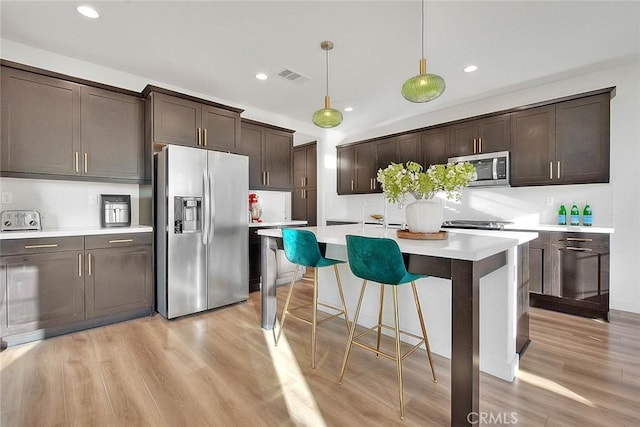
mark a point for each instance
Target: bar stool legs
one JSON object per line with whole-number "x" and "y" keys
{"x": 314, "y": 310}
{"x": 398, "y": 356}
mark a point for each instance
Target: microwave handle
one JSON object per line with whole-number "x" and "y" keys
{"x": 494, "y": 168}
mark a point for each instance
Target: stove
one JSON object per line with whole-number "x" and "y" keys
{"x": 478, "y": 225}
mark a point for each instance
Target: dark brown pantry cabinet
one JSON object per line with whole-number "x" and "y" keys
{"x": 179, "y": 119}
{"x": 304, "y": 195}
{"x": 269, "y": 149}
{"x": 54, "y": 128}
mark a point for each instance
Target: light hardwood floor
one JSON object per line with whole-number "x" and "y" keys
{"x": 221, "y": 369}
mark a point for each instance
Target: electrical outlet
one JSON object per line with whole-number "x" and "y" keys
{"x": 93, "y": 199}
{"x": 7, "y": 198}
{"x": 549, "y": 200}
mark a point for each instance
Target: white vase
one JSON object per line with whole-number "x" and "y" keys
{"x": 424, "y": 216}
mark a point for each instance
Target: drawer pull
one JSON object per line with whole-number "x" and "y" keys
{"x": 571, "y": 248}
{"x": 50, "y": 245}
{"x": 121, "y": 241}
{"x": 578, "y": 239}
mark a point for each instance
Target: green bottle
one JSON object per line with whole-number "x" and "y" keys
{"x": 575, "y": 215}
{"x": 587, "y": 216}
{"x": 562, "y": 215}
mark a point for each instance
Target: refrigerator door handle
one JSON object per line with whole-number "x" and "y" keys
{"x": 212, "y": 207}
{"x": 205, "y": 207}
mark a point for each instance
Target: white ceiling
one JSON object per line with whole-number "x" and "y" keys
{"x": 215, "y": 48}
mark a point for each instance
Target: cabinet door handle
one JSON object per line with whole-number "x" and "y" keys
{"x": 86, "y": 162}
{"x": 48, "y": 245}
{"x": 550, "y": 170}
{"x": 474, "y": 146}
{"x": 79, "y": 265}
{"x": 198, "y": 136}
{"x": 89, "y": 259}
{"x": 351, "y": 185}
{"x": 204, "y": 131}
{"x": 121, "y": 241}
{"x": 479, "y": 145}
{"x": 268, "y": 180}
{"x": 558, "y": 169}
{"x": 571, "y": 248}
{"x": 305, "y": 181}
{"x": 77, "y": 162}
{"x": 578, "y": 239}
{"x": 302, "y": 181}
{"x": 304, "y": 193}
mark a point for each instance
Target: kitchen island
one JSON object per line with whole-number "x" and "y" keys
{"x": 465, "y": 262}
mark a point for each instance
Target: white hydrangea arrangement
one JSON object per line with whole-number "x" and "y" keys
{"x": 398, "y": 180}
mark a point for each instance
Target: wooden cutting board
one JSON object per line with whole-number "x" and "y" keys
{"x": 406, "y": 234}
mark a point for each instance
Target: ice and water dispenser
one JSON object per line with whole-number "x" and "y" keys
{"x": 188, "y": 215}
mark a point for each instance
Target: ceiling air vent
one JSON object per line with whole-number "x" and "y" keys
{"x": 293, "y": 76}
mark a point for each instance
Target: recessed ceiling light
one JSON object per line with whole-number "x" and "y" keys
{"x": 348, "y": 108}
{"x": 470, "y": 68}
{"x": 88, "y": 11}
{"x": 261, "y": 76}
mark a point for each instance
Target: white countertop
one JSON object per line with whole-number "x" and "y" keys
{"x": 471, "y": 245}
{"x": 564, "y": 228}
{"x": 283, "y": 223}
{"x": 75, "y": 231}
{"x": 525, "y": 227}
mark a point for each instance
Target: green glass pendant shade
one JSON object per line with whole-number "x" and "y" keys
{"x": 327, "y": 117}
{"x": 424, "y": 87}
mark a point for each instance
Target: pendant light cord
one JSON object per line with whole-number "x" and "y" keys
{"x": 422, "y": 38}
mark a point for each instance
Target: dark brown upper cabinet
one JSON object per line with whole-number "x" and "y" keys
{"x": 409, "y": 147}
{"x": 53, "y": 128}
{"x": 582, "y": 140}
{"x": 533, "y": 140}
{"x": 269, "y": 150}
{"x": 346, "y": 166}
{"x": 182, "y": 121}
{"x": 434, "y": 146}
{"x": 304, "y": 196}
{"x": 564, "y": 143}
{"x": 40, "y": 124}
{"x": 484, "y": 135}
{"x": 112, "y": 134}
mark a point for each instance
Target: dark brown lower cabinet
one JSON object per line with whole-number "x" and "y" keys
{"x": 50, "y": 286}
{"x": 254, "y": 259}
{"x": 42, "y": 286}
{"x": 570, "y": 273}
{"x": 118, "y": 275}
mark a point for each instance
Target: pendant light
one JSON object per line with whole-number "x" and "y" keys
{"x": 423, "y": 87}
{"x": 327, "y": 117}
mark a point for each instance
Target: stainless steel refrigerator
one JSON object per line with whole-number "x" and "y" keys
{"x": 202, "y": 233}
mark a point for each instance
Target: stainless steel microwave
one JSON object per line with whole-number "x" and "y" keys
{"x": 492, "y": 169}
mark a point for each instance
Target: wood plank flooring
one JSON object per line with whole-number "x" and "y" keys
{"x": 221, "y": 369}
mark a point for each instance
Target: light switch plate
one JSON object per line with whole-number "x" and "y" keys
{"x": 93, "y": 199}
{"x": 549, "y": 200}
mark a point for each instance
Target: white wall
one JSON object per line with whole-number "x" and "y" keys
{"x": 65, "y": 204}
{"x": 615, "y": 204}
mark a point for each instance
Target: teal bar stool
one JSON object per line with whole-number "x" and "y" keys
{"x": 380, "y": 260}
{"x": 301, "y": 248}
